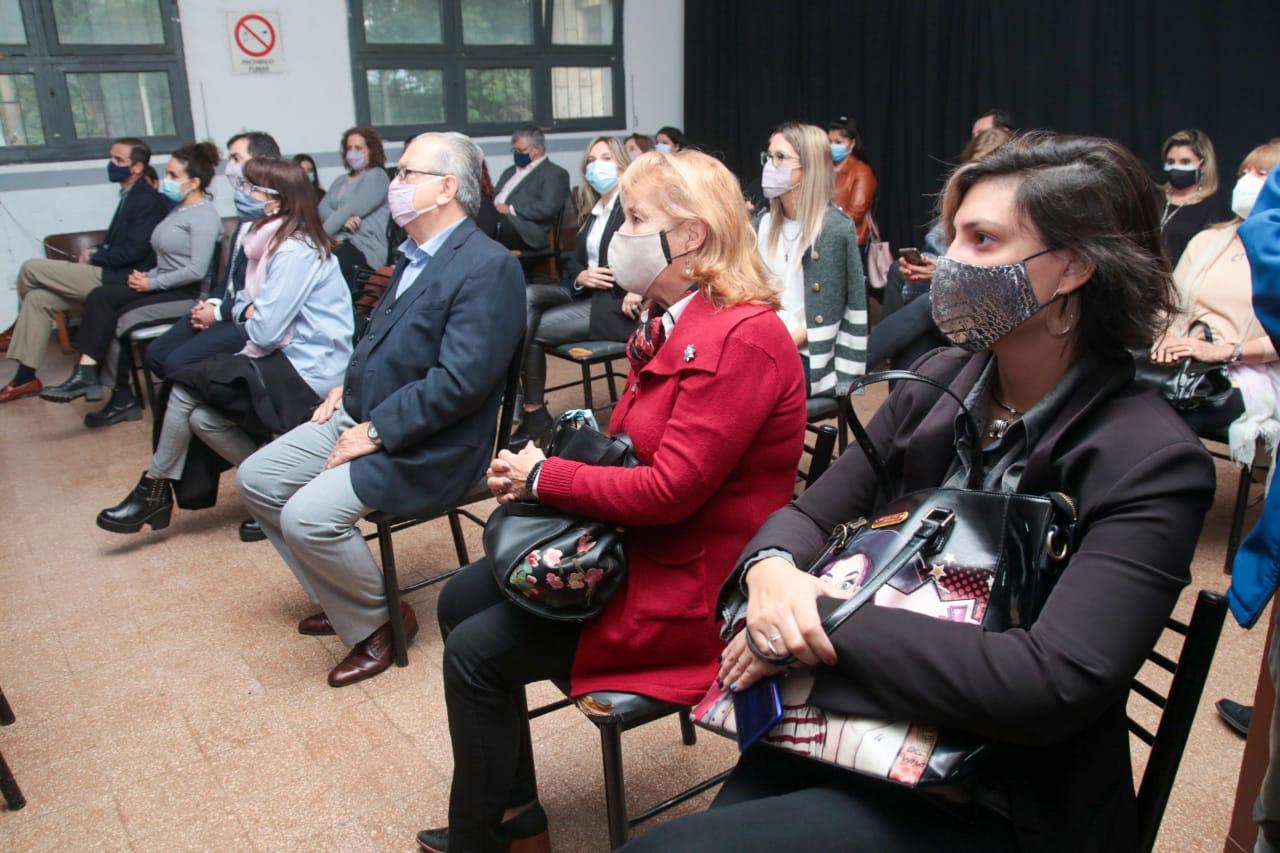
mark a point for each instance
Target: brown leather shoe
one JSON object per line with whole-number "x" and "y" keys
{"x": 316, "y": 625}
{"x": 373, "y": 654}
{"x": 6, "y": 338}
{"x": 17, "y": 392}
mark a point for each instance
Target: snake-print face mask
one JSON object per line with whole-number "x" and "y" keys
{"x": 974, "y": 306}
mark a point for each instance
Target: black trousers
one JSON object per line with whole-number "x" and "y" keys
{"x": 773, "y": 801}
{"x": 104, "y": 306}
{"x": 350, "y": 261}
{"x": 492, "y": 650}
{"x": 183, "y": 345}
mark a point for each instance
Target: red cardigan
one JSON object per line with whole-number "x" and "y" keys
{"x": 717, "y": 418}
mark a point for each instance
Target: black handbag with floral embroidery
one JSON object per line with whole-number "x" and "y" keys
{"x": 553, "y": 564}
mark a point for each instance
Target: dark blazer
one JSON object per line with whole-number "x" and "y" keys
{"x": 429, "y": 374}
{"x": 232, "y": 278}
{"x": 128, "y": 244}
{"x": 1051, "y": 698}
{"x": 538, "y": 199}
{"x": 607, "y": 323}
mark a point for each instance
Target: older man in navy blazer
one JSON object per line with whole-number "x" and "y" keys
{"x": 411, "y": 428}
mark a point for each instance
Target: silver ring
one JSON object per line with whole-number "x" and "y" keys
{"x": 768, "y": 641}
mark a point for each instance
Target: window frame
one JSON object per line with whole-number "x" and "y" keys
{"x": 49, "y": 61}
{"x": 454, "y": 58}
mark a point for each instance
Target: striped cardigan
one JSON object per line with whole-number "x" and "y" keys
{"x": 835, "y": 307}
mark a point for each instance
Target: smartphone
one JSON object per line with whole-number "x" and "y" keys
{"x": 756, "y": 710}
{"x": 912, "y": 256}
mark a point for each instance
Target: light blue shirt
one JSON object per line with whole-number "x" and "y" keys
{"x": 310, "y": 293}
{"x": 419, "y": 255}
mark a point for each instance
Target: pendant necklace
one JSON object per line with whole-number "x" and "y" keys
{"x": 999, "y": 426}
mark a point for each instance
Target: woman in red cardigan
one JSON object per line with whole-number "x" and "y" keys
{"x": 715, "y": 406}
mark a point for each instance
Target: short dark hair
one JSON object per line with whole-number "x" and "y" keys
{"x": 849, "y": 128}
{"x": 139, "y": 151}
{"x": 199, "y": 159}
{"x": 675, "y": 134}
{"x": 260, "y": 144}
{"x": 999, "y": 118}
{"x": 1092, "y": 197}
{"x": 532, "y": 134}
{"x": 644, "y": 143}
{"x": 377, "y": 157}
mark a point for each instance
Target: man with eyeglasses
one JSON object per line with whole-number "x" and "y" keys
{"x": 411, "y": 428}
{"x": 530, "y": 194}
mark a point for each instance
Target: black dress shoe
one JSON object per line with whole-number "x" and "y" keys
{"x": 115, "y": 411}
{"x": 1235, "y": 715}
{"x": 527, "y": 833}
{"x": 251, "y": 531}
{"x": 83, "y": 382}
{"x": 150, "y": 502}
{"x": 533, "y": 426}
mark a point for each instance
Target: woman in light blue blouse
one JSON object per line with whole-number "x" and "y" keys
{"x": 296, "y": 312}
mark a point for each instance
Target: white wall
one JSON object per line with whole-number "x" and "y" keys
{"x": 305, "y": 108}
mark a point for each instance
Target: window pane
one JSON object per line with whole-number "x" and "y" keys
{"x": 496, "y": 22}
{"x": 108, "y": 21}
{"x": 582, "y": 22}
{"x": 581, "y": 92}
{"x": 401, "y": 96}
{"x": 499, "y": 94}
{"x": 402, "y": 21}
{"x": 11, "y": 29}
{"x": 19, "y": 111}
{"x": 136, "y": 103}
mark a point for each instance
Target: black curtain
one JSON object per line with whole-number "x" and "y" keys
{"x": 915, "y": 73}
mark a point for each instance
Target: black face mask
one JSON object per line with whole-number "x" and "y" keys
{"x": 1181, "y": 177}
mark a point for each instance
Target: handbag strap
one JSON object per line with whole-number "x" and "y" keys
{"x": 974, "y": 453}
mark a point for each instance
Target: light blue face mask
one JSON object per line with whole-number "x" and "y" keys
{"x": 662, "y": 147}
{"x": 249, "y": 208}
{"x": 602, "y": 175}
{"x": 171, "y": 189}
{"x": 839, "y": 151}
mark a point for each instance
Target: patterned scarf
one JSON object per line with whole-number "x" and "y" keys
{"x": 645, "y": 342}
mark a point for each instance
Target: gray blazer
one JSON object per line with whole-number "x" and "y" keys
{"x": 537, "y": 200}
{"x": 366, "y": 197}
{"x": 835, "y": 306}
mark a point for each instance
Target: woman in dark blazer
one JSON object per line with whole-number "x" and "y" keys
{"x": 1054, "y": 267}
{"x": 715, "y": 407}
{"x": 587, "y": 305}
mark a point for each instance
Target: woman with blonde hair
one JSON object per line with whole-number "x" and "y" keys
{"x": 1190, "y": 189}
{"x": 586, "y": 305}
{"x": 811, "y": 247}
{"x": 1215, "y": 288}
{"x": 715, "y": 408}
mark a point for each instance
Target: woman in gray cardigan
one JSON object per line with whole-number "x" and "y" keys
{"x": 811, "y": 246}
{"x": 354, "y": 210}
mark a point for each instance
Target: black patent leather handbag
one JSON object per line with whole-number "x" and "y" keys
{"x": 967, "y": 555}
{"x": 551, "y": 563}
{"x": 1187, "y": 384}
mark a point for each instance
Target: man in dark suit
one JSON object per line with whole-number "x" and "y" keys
{"x": 530, "y": 193}
{"x": 47, "y": 287}
{"x": 411, "y": 428}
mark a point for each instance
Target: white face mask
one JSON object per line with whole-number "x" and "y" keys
{"x": 1245, "y": 194}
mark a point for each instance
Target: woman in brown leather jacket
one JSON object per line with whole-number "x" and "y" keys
{"x": 855, "y": 182}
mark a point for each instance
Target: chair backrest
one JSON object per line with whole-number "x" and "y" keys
{"x": 821, "y": 453}
{"x": 67, "y": 247}
{"x": 369, "y": 286}
{"x": 1178, "y": 709}
{"x": 507, "y": 413}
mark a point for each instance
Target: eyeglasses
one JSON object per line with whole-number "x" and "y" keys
{"x": 403, "y": 174}
{"x": 777, "y": 157}
{"x": 247, "y": 186}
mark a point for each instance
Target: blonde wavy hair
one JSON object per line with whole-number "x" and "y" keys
{"x": 1264, "y": 158}
{"x": 587, "y": 195}
{"x": 1200, "y": 144}
{"x": 817, "y": 184}
{"x": 690, "y": 186}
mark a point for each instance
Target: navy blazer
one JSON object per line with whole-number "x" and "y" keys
{"x": 429, "y": 373}
{"x": 128, "y": 244}
{"x": 607, "y": 322}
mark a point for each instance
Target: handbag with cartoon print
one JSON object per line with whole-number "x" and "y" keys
{"x": 962, "y": 554}
{"x": 548, "y": 562}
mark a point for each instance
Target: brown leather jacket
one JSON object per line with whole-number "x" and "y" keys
{"x": 855, "y": 191}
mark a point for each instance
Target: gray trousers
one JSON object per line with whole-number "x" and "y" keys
{"x": 310, "y": 515}
{"x": 187, "y": 415}
{"x": 553, "y": 318}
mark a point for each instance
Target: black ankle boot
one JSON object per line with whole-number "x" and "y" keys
{"x": 527, "y": 833}
{"x": 121, "y": 407}
{"x": 83, "y": 382}
{"x": 150, "y": 502}
{"x": 533, "y": 426}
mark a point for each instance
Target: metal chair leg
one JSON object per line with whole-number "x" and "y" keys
{"x": 842, "y": 422}
{"x": 9, "y": 787}
{"x": 1237, "y": 516}
{"x": 391, "y": 588}
{"x": 688, "y": 733}
{"x": 609, "y": 377}
{"x": 615, "y": 788}
{"x": 586, "y": 388}
{"x": 459, "y": 542}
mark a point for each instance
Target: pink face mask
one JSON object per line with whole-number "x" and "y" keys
{"x": 234, "y": 170}
{"x": 400, "y": 200}
{"x": 775, "y": 180}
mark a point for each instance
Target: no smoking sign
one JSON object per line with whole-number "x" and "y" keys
{"x": 255, "y": 42}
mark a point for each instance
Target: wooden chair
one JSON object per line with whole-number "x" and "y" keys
{"x": 67, "y": 247}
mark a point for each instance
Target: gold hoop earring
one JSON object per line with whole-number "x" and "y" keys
{"x": 1071, "y": 321}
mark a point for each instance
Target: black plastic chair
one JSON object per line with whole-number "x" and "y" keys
{"x": 1242, "y": 503}
{"x": 587, "y": 354}
{"x": 1177, "y": 707}
{"x": 8, "y": 785}
{"x": 385, "y": 524}
{"x": 820, "y": 409}
{"x": 614, "y": 712}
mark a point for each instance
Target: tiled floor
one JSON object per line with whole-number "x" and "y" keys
{"x": 165, "y": 701}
